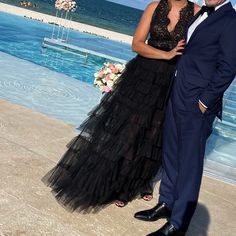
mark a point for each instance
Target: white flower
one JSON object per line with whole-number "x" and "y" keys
{"x": 120, "y": 67}
{"x": 107, "y": 71}
{"x": 66, "y": 5}
{"x": 112, "y": 76}
{"x": 98, "y": 82}
{"x": 110, "y": 83}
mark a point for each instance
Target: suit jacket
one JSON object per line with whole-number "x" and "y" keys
{"x": 208, "y": 64}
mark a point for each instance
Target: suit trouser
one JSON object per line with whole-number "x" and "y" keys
{"x": 185, "y": 135}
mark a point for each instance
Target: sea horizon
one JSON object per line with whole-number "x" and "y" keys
{"x": 99, "y": 13}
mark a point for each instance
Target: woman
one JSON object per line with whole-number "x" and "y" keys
{"x": 119, "y": 149}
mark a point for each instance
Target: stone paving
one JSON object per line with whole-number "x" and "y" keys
{"x": 31, "y": 143}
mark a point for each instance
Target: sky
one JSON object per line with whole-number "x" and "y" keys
{"x": 141, "y": 4}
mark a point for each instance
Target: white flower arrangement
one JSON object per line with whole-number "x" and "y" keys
{"x": 66, "y": 5}
{"x": 107, "y": 75}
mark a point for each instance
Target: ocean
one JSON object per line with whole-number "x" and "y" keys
{"x": 100, "y": 13}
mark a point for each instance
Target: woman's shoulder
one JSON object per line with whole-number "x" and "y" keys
{"x": 152, "y": 6}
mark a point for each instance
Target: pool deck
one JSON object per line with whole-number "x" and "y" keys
{"x": 31, "y": 143}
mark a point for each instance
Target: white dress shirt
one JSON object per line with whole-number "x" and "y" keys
{"x": 197, "y": 22}
{"x": 200, "y": 19}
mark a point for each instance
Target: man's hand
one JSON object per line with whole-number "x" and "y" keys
{"x": 202, "y": 108}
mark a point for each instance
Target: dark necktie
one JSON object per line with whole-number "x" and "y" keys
{"x": 209, "y": 10}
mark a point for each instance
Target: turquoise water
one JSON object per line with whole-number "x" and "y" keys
{"x": 46, "y": 91}
{"x": 22, "y": 37}
{"x": 99, "y": 13}
{"x": 67, "y": 99}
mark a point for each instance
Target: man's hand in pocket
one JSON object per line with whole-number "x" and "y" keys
{"x": 202, "y": 108}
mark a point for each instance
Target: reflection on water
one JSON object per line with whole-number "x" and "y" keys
{"x": 221, "y": 146}
{"x": 23, "y": 38}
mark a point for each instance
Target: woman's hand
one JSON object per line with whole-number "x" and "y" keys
{"x": 176, "y": 51}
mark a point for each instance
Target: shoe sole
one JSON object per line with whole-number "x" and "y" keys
{"x": 152, "y": 220}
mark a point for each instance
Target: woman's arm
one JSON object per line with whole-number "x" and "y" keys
{"x": 139, "y": 46}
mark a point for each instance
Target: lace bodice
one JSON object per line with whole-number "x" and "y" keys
{"x": 160, "y": 37}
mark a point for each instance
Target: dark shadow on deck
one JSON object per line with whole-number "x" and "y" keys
{"x": 200, "y": 222}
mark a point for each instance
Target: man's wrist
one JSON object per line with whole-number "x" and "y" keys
{"x": 202, "y": 104}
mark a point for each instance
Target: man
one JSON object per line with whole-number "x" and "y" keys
{"x": 204, "y": 72}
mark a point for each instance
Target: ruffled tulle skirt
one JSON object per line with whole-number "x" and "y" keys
{"x": 119, "y": 149}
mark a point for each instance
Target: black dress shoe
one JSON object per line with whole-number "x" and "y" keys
{"x": 160, "y": 211}
{"x": 167, "y": 230}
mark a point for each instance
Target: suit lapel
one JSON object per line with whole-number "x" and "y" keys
{"x": 215, "y": 15}
{"x": 191, "y": 22}
{"x": 194, "y": 18}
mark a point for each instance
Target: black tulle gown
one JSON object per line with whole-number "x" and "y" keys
{"x": 119, "y": 149}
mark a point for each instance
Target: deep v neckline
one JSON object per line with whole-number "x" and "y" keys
{"x": 179, "y": 20}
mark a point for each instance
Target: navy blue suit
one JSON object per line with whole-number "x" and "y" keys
{"x": 204, "y": 72}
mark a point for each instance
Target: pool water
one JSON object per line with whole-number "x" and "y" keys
{"x": 22, "y": 37}
{"x": 46, "y": 91}
{"x": 60, "y": 96}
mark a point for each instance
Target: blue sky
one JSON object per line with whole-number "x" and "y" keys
{"x": 141, "y": 4}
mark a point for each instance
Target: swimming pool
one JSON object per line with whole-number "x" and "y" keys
{"x": 22, "y": 37}
{"x": 49, "y": 91}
